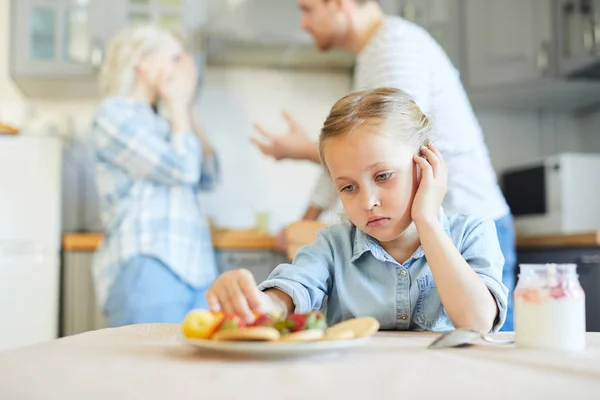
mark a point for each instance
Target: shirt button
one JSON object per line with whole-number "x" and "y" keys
{"x": 403, "y": 272}
{"x": 404, "y": 317}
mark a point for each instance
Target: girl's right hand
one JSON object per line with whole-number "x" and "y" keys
{"x": 235, "y": 293}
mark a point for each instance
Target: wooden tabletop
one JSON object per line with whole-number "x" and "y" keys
{"x": 151, "y": 362}
{"x": 223, "y": 239}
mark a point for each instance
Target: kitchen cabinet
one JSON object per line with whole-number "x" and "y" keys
{"x": 511, "y": 58}
{"x": 588, "y": 268}
{"x": 441, "y": 18}
{"x": 79, "y": 310}
{"x": 56, "y": 39}
{"x": 259, "y": 262}
{"x": 507, "y": 41}
{"x": 57, "y": 46}
{"x": 578, "y": 25}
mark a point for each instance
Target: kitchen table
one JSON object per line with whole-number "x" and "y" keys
{"x": 150, "y": 362}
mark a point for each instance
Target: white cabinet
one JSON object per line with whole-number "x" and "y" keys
{"x": 441, "y": 18}
{"x": 57, "y": 46}
{"x": 507, "y": 41}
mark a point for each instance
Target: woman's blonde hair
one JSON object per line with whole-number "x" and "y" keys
{"x": 393, "y": 110}
{"x": 125, "y": 51}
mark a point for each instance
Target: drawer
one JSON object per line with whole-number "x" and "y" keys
{"x": 260, "y": 263}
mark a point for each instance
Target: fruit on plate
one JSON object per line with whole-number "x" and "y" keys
{"x": 267, "y": 319}
{"x": 231, "y": 322}
{"x": 301, "y": 321}
{"x": 201, "y": 324}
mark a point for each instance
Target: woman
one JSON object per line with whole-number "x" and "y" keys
{"x": 156, "y": 260}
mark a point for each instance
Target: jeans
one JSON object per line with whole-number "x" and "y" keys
{"x": 146, "y": 290}
{"x": 506, "y": 237}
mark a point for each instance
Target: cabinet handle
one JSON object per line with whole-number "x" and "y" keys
{"x": 543, "y": 58}
{"x": 590, "y": 259}
{"x": 597, "y": 34}
{"x": 588, "y": 36}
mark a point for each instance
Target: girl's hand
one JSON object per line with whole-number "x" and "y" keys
{"x": 179, "y": 87}
{"x": 235, "y": 293}
{"x": 432, "y": 186}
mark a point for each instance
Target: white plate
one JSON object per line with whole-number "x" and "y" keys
{"x": 271, "y": 349}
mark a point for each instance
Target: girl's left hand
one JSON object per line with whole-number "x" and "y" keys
{"x": 432, "y": 186}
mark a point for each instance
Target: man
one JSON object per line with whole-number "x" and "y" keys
{"x": 393, "y": 52}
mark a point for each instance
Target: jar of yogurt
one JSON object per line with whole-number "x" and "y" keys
{"x": 549, "y": 308}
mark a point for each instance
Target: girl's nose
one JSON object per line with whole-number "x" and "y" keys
{"x": 370, "y": 199}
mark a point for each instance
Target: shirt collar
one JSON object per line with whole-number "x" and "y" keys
{"x": 364, "y": 243}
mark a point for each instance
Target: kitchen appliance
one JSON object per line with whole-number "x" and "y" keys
{"x": 30, "y": 214}
{"x": 555, "y": 194}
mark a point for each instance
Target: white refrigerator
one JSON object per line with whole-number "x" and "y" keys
{"x": 30, "y": 239}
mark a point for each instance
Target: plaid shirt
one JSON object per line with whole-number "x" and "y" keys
{"x": 149, "y": 180}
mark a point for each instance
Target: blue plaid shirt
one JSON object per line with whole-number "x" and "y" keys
{"x": 149, "y": 179}
{"x": 360, "y": 278}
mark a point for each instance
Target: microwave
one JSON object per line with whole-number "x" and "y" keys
{"x": 555, "y": 194}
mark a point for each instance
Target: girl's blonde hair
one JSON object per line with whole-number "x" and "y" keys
{"x": 125, "y": 51}
{"x": 393, "y": 110}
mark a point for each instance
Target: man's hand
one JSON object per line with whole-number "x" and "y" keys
{"x": 293, "y": 145}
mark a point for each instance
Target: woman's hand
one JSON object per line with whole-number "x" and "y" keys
{"x": 235, "y": 293}
{"x": 432, "y": 186}
{"x": 179, "y": 87}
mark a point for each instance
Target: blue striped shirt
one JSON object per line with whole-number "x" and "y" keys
{"x": 149, "y": 179}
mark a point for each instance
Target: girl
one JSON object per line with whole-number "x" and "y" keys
{"x": 157, "y": 260}
{"x": 402, "y": 260}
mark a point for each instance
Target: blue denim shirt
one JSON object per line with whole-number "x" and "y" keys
{"x": 360, "y": 278}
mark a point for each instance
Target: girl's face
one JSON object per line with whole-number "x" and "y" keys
{"x": 376, "y": 179}
{"x": 160, "y": 64}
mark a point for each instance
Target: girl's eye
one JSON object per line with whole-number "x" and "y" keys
{"x": 383, "y": 177}
{"x": 347, "y": 188}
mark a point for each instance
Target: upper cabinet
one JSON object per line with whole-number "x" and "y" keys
{"x": 441, "y": 18}
{"x": 55, "y": 38}
{"x": 57, "y": 46}
{"x": 578, "y": 46}
{"x": 507, "y": 41}
{"x": 523, "y": 54}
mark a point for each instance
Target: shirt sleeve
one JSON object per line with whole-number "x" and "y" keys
{"x": 324, "y": 193}
{"x": 308, "y": 278}
{"x": 129, "y": 141}
{"x": 482, "y": 252}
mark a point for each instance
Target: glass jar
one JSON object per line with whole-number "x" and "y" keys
{"x": 549, "y": 308}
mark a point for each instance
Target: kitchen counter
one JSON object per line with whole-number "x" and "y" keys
{"x": 583, "y": 239}
{"x": 223, "y": 239}
{"x": 151, "y": 362}
{"x": 253, "y": 239}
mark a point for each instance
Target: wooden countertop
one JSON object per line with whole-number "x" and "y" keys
{"x": 582, "y": 239}
{"x": 223, "y": 239}
{"x": 253, "y": 239}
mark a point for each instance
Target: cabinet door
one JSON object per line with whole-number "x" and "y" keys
{"x": 441, "y": 18}
{"x": 260, "y": 263}
{"x": 588, "y": 268}
{"x": 507, "y": 41}
{"x": 56, "y": 37}
{"x": 578, "y": 24}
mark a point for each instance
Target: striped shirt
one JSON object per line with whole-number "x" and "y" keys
{"x": 148, "y": 180}
{"x": 405, "y": 56}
